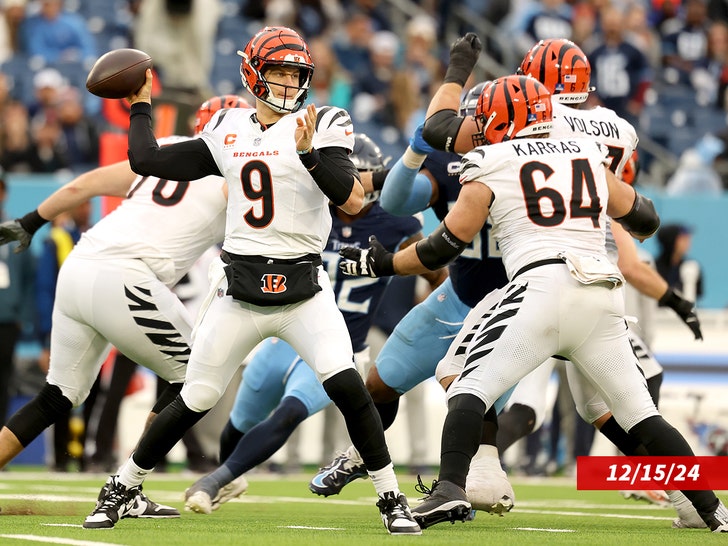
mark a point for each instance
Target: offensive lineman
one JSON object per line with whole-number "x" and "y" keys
{"x": 421, "y": 178}
{"x": 115, "y": 288}
{"x": 548, "y": 200}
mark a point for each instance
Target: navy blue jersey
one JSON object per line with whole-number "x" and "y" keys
{"x": 358, "y": 297}
{"x": 617, "y": 73}
{"x": 479, "y": 269}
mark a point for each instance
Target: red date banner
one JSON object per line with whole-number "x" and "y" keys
{"x": 685, "y": 473}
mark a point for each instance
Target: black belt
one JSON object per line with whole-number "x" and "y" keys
{"x": 538, "y": 263}
{"x": 228, "y": 257}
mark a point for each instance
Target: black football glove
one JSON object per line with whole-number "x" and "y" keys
{"x": 375, "y": 261}
{"x": 13, "y": 231}
{"x": 464, "y": 54}
{"x": 685, "y": 310}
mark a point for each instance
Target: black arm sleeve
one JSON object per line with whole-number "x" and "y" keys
{"x": 642, "y": 219}
{"x": 333, "y": 172}
{"x": 188, "y": 160}
{"x": 439, "y": 248}
{"x": 441, "y": 129}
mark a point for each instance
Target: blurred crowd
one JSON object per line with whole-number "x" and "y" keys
{"x": 379, "y": 59}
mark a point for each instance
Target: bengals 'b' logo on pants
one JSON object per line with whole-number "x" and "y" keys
{"x": 271, "y": 283}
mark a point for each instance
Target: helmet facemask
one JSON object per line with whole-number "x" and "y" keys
{"x": 276, "y": 46}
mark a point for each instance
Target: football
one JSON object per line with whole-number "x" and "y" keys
{"x": 118, "y": 73}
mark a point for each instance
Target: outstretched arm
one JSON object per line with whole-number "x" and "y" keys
{"x": 444, "y": 128}
{"x": 443, "y": 245}
{"x": 112, "y": 180}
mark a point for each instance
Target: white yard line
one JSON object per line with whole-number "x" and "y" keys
{"x": 544, "y": 530}
{"x": 57, "y": 540}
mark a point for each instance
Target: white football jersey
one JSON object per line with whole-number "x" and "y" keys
{"x": 606, "y": 127}
{"x": 275, "y": 208}
{"x": 600, "y": 124}
{"x": 550, "y": 196}
{"x": 167, "y": 224}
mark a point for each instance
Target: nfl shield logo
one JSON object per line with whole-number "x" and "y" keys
{"x": 346, "y": 232}
{"x": 256, "y": 142}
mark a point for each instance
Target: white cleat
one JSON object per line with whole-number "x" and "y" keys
{"x": 487, "y": 484}
{"x": 231, "y": 491}
{"x": 688, "y": 517}
{"x": 199, "y": 502}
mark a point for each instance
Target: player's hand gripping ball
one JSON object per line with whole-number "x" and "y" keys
{"x": 118, "y": 73}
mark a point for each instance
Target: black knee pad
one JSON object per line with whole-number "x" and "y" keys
{"x": 38, "y": 414}
{"x": 342, "y": 390}
{"x": 466, "y": 402}
{"x": 167, "y": 396}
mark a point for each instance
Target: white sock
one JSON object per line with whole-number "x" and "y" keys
{"x": 132, "y": 475}
{"x": 384, "y": 480}
{"x": 486, "y": 452}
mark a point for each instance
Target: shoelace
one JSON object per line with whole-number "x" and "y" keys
{"x": 114, "y": 498}
{"x": 392, "y": 506}
{"x": 333, "y": 463}
{"x": 422, "y": 488}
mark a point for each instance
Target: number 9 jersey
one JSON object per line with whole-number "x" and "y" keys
{"x": 275, "y": 208}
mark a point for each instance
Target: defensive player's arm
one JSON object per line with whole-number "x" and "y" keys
{"x": 462, "y": 223}
{"x": 635, "y": 212}
{"x": 408, "y": 189}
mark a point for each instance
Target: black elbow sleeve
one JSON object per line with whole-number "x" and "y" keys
{"x": 642, "y": 220}
{"x": 439, "y": 248}
{"x": 441, "y": 129}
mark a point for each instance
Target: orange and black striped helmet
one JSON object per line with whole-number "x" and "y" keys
{"x": 512, "y": 107}
{"x": 562, "y": 67}
{"x": 210, "y": 106}
{"x": 276, "y": 46}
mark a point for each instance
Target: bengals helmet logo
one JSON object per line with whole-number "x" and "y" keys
{"x": 272, "y": 283}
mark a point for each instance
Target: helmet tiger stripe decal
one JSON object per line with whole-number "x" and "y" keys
{"x": 562, "y": 67}
{"x": 512, "y": 107}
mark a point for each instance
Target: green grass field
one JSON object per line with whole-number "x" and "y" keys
{"x": 39, "y": 507}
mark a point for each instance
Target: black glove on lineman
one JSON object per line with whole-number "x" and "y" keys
{"x": 464, "y": 54}
{"x": 685, "y": 310}
{"x": 13, "y": 231}
{"x": 375, "y": 261}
